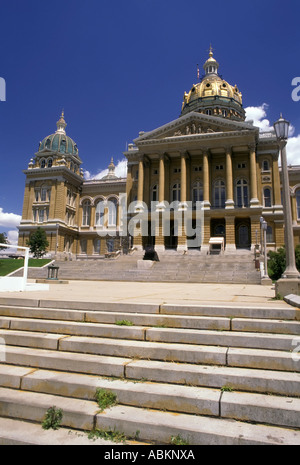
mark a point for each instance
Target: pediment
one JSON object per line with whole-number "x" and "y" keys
{"x": 194, "y": 124}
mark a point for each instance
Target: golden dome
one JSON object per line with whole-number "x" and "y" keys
{"x": 213, "y": 95}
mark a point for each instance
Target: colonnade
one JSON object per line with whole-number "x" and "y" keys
{"x": 229, "y": 204}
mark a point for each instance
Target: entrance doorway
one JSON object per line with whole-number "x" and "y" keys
{"x": 243, "y": 233}
{"x": 171, "y": 242}
{"x": 217, "y": 228}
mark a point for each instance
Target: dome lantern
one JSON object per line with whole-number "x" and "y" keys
{"x": 213, "y": 95}
{"x": 211, "y": 65}
{"x": 61, "y": 124}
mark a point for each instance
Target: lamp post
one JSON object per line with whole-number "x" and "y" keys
{"x": 264, "y": 226}
{"x": 282, "y": 131}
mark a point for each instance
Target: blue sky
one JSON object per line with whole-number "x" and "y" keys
{"x": 119, "y": 67}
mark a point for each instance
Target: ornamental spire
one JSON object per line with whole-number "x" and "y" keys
{"x": 61, "y": 124}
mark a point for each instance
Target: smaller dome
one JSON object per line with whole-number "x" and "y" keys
{"x": 111, "y": 172}
{"x": 59, "y": 141}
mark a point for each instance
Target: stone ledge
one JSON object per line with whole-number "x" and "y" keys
{"x": 145, "y": 264}
{"x": 293, "y": 300}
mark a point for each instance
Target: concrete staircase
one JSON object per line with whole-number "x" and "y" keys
{"x": 211, "y": 375}
{"x": 237, "y": 268}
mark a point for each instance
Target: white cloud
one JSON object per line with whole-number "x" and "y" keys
{"x": 258, "y": 116}
{"x": 121, "y": 171}
{"x": 293, "y": 150}
{"x": 13, "y": 237}
{"x": 9, "y": 220}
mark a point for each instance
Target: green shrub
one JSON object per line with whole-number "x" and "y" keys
{"x": 105, "y": 398}
{"x": 52, "y": 418}
{"x": 277, "y": 262}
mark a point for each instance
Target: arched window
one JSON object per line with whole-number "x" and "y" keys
{"x": 49, "y": 162}
{"x": 242, "y": 198}
{"x": 112, "y": 211}
{"x": 48, "y": 143}
{"x": 86, "y": 213}
{"x": 176, "y": 193}
{"x": 99, "y": 218}
{"x": 43, "y": 163}
{"x": 197, "y": 193}
{"x": 298, "y": 203}
{"x": 267, "y": 197}
{"x": 219, "y": 194}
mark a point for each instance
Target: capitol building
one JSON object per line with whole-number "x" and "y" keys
{"x": 209, "y": 156}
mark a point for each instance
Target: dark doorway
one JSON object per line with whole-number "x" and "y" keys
{"x": 171, "y": 241}
{"x": 243, "y": 233}
{"x": 217, "y": 228}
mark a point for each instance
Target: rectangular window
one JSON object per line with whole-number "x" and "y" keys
{"x": 43, "y": 195}
{"x": 41, "y": 215}
{"x": 83, "y": 245}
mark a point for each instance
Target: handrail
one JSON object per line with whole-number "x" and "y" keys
{"x": 26, "y": 259}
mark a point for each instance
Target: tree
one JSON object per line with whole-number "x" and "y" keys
{"x": 38, "y": 243}
{"x": 3, "y": 240}
{"x": 277, "y": 262}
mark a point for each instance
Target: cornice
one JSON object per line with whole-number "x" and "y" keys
{"x": 195, "y": 137}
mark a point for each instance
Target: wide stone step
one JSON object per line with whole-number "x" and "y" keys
{"x": 66, "y": 361}
{"x": 7, "y": 304}
{"x": 193, "y": 429}
{"x": 184, "y": 399}
{"x": 259, "y": 408}
{"x": 234, "y": 374}
{"x": 232, "y": 311}
{"x": 139, "y": 319}
{"x": 75, "y": 328}
{"x": 150, "y": 425}
{"x": 185, "y": 346}
{"x": 130, "y": 349}
{"x": 19, "y": 433}
{"x": 239, "y": 379}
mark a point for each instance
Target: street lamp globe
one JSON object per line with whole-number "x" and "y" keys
{"x": 282, "y": 129}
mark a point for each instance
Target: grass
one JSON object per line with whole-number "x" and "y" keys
{"x": 52, "y": 418}
{"x": 108, "y": 435}
{"x": 105, "y": 398}
{"x": 8, "y": 265}
{"x": 178, "y": 441}
{"x": 124, "y": 323}
{"x": 226, "y": 389}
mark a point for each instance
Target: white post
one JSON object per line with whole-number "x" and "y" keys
{"x": 25, "y": 274}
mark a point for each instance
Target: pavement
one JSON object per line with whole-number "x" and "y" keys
{"x": 158, "y": 293}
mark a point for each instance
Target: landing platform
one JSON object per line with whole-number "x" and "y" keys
{"x": 157, "y": 293}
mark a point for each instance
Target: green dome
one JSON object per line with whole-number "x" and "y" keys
{"x": 59, "y": 141}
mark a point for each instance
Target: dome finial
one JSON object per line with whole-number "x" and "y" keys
{"x": 211, "y": 51}
{"x": 61, "y": 124}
